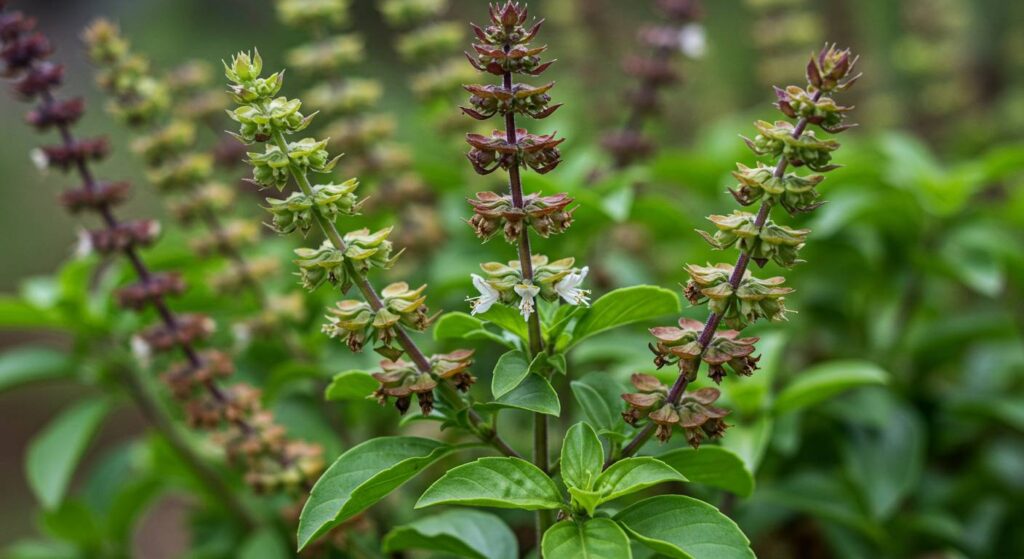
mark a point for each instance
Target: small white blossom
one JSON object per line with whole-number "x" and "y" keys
{"x": 141, "y": 351}
{"x": 488, "y": 295}
{"x": 83, "y": 247}
{"x": 568, "y": 288}
{"x": 692, "y": 40}
{"x": 39, "y": 159}
{"x": 527, "y": 291}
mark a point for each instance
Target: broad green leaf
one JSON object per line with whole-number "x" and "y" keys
{"x": 31, "y": 364}
{"x": 53, "y": 454}
{"x": 461, "y": 326}
{"x": 508, "y": 319}
{"x": 634, "y": 474}
{"x": 361, "y": 477}
{"x": 455, "y": 325}
{"x": 595, "y": 538}
{"x": 625, "y": 306}
{"x": 601, "y": 404}
{"x": 684, "y": 528}
{"x": 885, "y": 460}
{"x": 509, "y": 483}
{"x": 749, "y": 441}
{"x": 16, "y": 313}
{"x": 826, "y": 380}
{"x": 587, "y": 499}
{"x": 509, "y": 371}
{"x": 714, "y": 466}
{"x": 533, "y": 394}
{"x": 351, "y": 385}
{"x": 264, "y": 544}
{"x": 582, "y": 456}
{"x": 462, "y": 532}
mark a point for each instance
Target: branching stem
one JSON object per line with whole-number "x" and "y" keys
{"x": 362, "y": 283}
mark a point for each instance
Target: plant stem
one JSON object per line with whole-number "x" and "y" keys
{"x": 536, "y": 340}
{"x": 155, "y": 413}
{"x": 706, "y": 335}
{"x": 373, "y": 299}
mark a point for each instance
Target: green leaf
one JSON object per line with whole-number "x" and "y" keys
{"x": 533, "y": 394}
{"x": 509, "y": 372}
{"x": 32, "y": 364}
{"x": 597, "y": 538}
{"x": 885, "y": 459}
{"x": 602, "y": 403}
{"x": 685, "y": 528}
{"x": 361, "y": 477}
{"x": 456, "y": 325}
{"x": 714, "y": 466}
{"x": 826, "y": 380}
{"x": 625, "y": 306}
{"x": 507, "y": 319}
{"x": 461, "y": 326}
{"x": 749, "y": 441}
{"x": 582, "y": 456}
{"x": 462, "y": 532}
{"x": 351, "y": 385}
{"x": 632, "y": 475}
{"x": 16, "y": 313}
{"x": 509, "y": 483}
{"x": 53, "y": 454}
{"x": 264, "y": 544}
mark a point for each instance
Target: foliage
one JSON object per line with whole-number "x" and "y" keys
{"x": 881, "y": 418}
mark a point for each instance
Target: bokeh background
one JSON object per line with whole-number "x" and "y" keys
{"x": 915, "y": 265}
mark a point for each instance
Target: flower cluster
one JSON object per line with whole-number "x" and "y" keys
{"x": 253, "y": 437}
{"x": 695, "y": 413}
{"x": 734, "y": 296}
{"x": 779, "y": 139}
{"x": 680, "y": 33}
{"x": 740, "y": 305}
{"x": 772, "y": 241}
{"x": 551, "y": 281}
{"x": 795, "y": 193}
{"x": 330, "y": 201}
{"x": 681, "y": 346}
{"x": 401, "y": 380}
{"x": 363, "y": 250}
{"x": 489, "y": 100}
{"x": 489, "y": 153}
{"x": 357, "y": 322}
{"x": 544, "y": 214}
{"x": 503, "y": 49}
{"x": 344, "y": 260}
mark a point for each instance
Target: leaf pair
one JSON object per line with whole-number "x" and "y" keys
{"x": 582, "y": 461}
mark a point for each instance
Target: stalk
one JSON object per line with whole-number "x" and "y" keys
{"x": 373, "y": 298}
{"x": 828, "y": 72}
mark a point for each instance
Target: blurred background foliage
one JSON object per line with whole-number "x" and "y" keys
{"x": 913, "y": 286}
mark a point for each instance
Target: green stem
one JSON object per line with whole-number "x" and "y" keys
{"x": 536, "y": 339}
{"x": 448, "y": 393}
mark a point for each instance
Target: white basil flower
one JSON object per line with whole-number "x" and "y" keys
{"x": 568, "y": 288}
{"x": 527, "y": 291}
{"x": 692, "y": 40}
{"x": 488, "y": 295}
